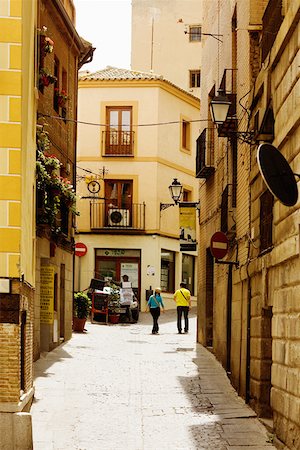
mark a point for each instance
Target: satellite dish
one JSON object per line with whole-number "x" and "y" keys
{"x": 277, "y": 174}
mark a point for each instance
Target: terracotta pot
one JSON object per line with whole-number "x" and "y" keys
{"x": 114, "y": 318}
{"x": 78, "y": 324}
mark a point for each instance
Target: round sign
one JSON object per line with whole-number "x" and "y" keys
{"x": 93, "y": 187}
{"x": 219, "y": 245}
{"x": 80, "y": 249}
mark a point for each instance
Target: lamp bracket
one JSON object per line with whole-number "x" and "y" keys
{"x": 164, "y": 206}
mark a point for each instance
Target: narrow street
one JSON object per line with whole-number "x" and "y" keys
{"x": 119, "y": 387}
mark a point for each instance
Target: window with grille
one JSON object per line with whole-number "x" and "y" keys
{"x": 266, "y": 221}
{"x": 195, "y": 33}
{"x": 195, "y": 77}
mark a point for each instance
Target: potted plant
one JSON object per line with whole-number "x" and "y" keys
{"x": 46, "y": 78}
{"x": 81, "y": 310}
{"x": 61, "y": 97}
{"x": 114, "y": 304}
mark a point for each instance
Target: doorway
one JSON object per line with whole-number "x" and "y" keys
{"x": 62, "y": 301}
{"x": 209, "y": 300}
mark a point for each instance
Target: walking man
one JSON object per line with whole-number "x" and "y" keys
{"x": 182, "y": 297}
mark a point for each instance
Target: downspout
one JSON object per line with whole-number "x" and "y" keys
{"x": 229, "y": 312}
{"x": 248, "y": 321}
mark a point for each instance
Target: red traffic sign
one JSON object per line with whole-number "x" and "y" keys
{"x": 219, "y": 245}
{"x": 80, "y": 249}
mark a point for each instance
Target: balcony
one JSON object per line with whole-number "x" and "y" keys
{"x": 118, "y": 143}
{"x": 111, "y": 218}
{"x": 205, "y": 154}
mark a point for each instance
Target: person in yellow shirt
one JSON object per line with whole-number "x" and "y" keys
{"x": 182, "y": 297}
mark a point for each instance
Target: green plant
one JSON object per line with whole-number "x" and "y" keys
{"x": 82, "y": 305}
{"x": 114, "y": 298}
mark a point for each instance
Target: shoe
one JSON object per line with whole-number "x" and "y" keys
{"x": 153, "y": 332}
{"x": 179, "y": 332}
{"x": 186, "y": 331}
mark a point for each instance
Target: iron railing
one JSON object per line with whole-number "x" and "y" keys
{"x": 107, "y": 217}
{"x": 205, "y": 154}
{"x": 118, "y": 143}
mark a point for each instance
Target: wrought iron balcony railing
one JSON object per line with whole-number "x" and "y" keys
{"x": 118, "y": 143}
{"x": 205, "y": 154}
{"x": 106, "y": 217}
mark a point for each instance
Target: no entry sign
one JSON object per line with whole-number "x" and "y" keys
{"x": 219, "y": 245}
{"x": 80, "y": 249}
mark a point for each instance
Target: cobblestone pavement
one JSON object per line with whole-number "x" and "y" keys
{"x": 118, "y": 387}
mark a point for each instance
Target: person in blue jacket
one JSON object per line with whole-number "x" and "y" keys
{"x": 155, "y": 303}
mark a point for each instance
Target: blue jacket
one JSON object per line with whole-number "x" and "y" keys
{"x": 155, "y": 301}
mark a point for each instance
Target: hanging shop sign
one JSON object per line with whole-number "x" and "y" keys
{"x": 187, "y": 223}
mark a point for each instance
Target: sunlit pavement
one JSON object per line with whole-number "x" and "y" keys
{"x": 120, "y": 387}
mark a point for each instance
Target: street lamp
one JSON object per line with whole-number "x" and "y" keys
{"x": 175, "y": 189}
{"x": 219, "y": 107}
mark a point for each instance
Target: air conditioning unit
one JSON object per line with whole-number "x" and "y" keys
{"x": 118, "y": 217}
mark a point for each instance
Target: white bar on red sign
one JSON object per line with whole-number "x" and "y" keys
{"x": 222, "y": 245}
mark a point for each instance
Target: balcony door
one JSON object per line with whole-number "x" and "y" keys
{"x": 119, "y": 136}
{"x": 118, "y": 202}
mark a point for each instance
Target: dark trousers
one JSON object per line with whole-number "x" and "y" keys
{"x": 155, "y": 313}
{"x": 185, "y": 311}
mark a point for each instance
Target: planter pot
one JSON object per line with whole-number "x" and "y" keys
{"x": 61, "y": 102}
{"x": 78, "y": 324}
{"x": 114, "y": 318}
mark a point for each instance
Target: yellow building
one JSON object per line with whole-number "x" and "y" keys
{"x": 247, "y": 307}
{"x": 17, "y": 212}
{"x": 142, "y": 140}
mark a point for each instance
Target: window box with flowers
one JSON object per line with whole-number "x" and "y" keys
{"x": 46, "y": 43}
{"x": 61, "y": 97}
{"x": 46, "y": 78}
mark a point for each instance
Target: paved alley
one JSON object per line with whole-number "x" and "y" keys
{"x": 118, "y": 387}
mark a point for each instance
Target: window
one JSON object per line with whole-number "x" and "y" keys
{"x": 185, "y": 136}
{"x": 188, "y": 269}
{"x": 194, "y": 78}
{"x": 195, "y": 33}
{"x": 118, "y": 135}
{"x": 266, "y": 221}
{"x": 118, "y": 202}
{"x": 167, "y": 271}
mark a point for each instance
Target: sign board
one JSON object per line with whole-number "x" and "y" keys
{"x": 187, "y": 222}
{"x": 47, "y": 294}
{"x": 80, "y": 249}
{"x": 219, "y": 245}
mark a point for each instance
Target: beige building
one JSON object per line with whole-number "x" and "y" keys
{"x": 141, "y": 140}
{"x": 248, "y": 312}
{"x": 166, "y": 39}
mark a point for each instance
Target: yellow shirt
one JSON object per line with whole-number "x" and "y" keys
{"x": 180, "y": 300}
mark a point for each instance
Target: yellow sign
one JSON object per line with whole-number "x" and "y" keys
{"x": 47, "y": 294}
{"x": 187, "y": 223}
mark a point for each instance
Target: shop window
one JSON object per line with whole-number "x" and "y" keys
{"x": 167, "y": 271}
{"x": 188, "y": 270}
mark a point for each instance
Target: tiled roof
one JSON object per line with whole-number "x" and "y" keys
{"x": 113, "y": 73}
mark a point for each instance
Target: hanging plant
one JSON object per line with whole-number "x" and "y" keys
{"x": 61, "y": 97}
{"x": 46, "y": 78}
{"x": 53, "y": 190}
{"x": 47, "y": 44}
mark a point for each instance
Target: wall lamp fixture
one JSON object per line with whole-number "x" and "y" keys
{"x": 176, "y": 190}
{"x": 219, "y": 107}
